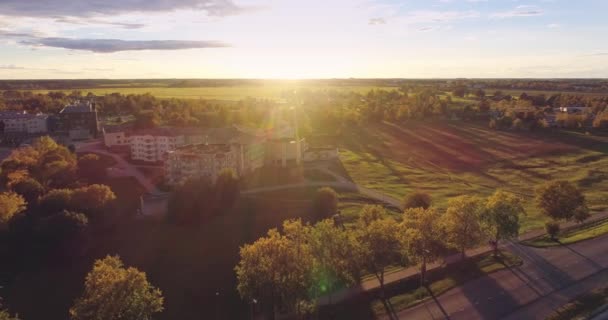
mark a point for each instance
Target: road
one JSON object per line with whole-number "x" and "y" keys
{"x": 548, "y": 279}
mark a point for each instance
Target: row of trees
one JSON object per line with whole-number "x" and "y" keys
{"x": 291, "y": 268}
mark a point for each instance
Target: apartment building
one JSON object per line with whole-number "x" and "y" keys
{"x": 78, "y": 121}
{"x": 153, "y": 144}
{"x": 23, "y": 122}
{"x": 200, "y": 161}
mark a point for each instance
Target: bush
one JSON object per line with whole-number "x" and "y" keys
{"x": 417, "y": 200}
{"x": 29, "y": 189}
{"x": 552, "y": 228}
{"x": 326, "y": 203}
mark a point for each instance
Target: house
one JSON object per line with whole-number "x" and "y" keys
{"x": 78, "y": 121}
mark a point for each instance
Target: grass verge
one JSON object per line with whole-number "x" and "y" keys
{"x": 410, "y": 293}
{"x": 582, "y": 306}
{"x": 577, "y": 234}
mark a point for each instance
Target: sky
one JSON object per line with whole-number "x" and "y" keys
{"x": 57, "y": 39}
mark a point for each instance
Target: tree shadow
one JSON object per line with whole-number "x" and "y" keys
{"x": 589, "y": 260}
{"x": 437, "y": 302}
{"x": 489, "y": 298}
{"x": 556, "y": 277}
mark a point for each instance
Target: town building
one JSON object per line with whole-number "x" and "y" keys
{"x": 78, "y": 121}
{"x": 23, "y": 122}
{"x": 200, "y": 161}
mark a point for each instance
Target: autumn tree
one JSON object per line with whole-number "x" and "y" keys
{"x": 326, "y": 203}
{"x": 379, "y": 243}
{"x": 114, "y": 292}
{"x": 276, "y": 269}
{"x": 461, "y": 223}
{"x": 500, "y": 217}
{"x": 11, "y": 204}
{"x": 423, "y": 236}
{"x": 5, "y": 315}
{"x": 63, "y": 230}
{"x": 30, "y": 189}
{"x": 560, "y": 200}
{"x": 336, "y": 256}
{"x": 552, "y": 228}
{"x": 92, "y": 199}
{"x": 417, "y": 200}
{"x": 55, "y": 201}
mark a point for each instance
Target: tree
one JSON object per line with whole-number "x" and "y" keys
{"x": 227, "y": 188}
{"x": 60, "y": 228}
{"x": 552, "y": 228}
{"x": 4, "y": 315}
{"x": 92, "y": 199}
{"x": 581, "y": 214}
{"x": 423, "y": 236}
{"x": 326, "y": 203}
{"x": 91, "y": 168}
{"x": 30, "y": 189}
{"x": 335, "y": 253}
{"x": 461, "y": 222}
{"x": 275, "y": 269}
{"x": 500, "y": 218}
{"x": 11, "y": 204}
{"x": 55, "y": 201}
{"x": 380, "y": 246}
{"x": 113, "y": 292}
{"x": 559, "y": 200}
{"x": 417, "y": 200}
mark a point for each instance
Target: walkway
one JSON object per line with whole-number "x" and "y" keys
{"x": 340, "y": 183}
{"x": 122, "y": 164}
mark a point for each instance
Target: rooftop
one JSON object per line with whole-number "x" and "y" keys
{"x": 19, "y": 115}
{"x": 202, "y": 149}
{"x": 80, "y": 107}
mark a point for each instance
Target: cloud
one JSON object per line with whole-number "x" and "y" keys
{"x": 88, "y": 8}
{"x": 417, "y": 17}
{"x": 125, "y": 25}
{"x": 116, "y": 45}
{"x": 519, "y": 11}
{"x": 376, "y": 21}
{"x": 10, "y": 67}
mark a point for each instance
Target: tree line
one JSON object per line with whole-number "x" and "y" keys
{"x": 290, "y": 268}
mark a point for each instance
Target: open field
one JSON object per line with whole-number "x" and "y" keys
{"x": 450, "y": 159}
{"x": 230, "y": 93}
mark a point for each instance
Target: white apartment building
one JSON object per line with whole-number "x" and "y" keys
{"x": 22, "y": 122}
{"x": 200, "y": 161}
{"x": 153, "y": 145}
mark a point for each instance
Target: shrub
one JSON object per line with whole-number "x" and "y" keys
{"x": 417, "y": 200}
{"x": 552, "y": 228}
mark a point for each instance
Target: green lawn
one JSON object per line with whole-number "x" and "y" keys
{"x": 571, "y": 236}
{"x": 583, "y": 306}
{"x": 231, "y": 93}
{"x": 450, "y": 159}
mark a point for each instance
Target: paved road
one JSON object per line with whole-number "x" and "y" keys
{"x": 547, "y": 279}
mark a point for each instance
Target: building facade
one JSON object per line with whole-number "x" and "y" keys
{"x": 22, "y": 122}
{"x": 200, "y": 161}
{"x": 78, "y": 121}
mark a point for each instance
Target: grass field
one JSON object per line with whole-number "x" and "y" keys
{"x": 571, "y": 236}
{"x": 230, "y": 93}
{"x": 450, "y": 159}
